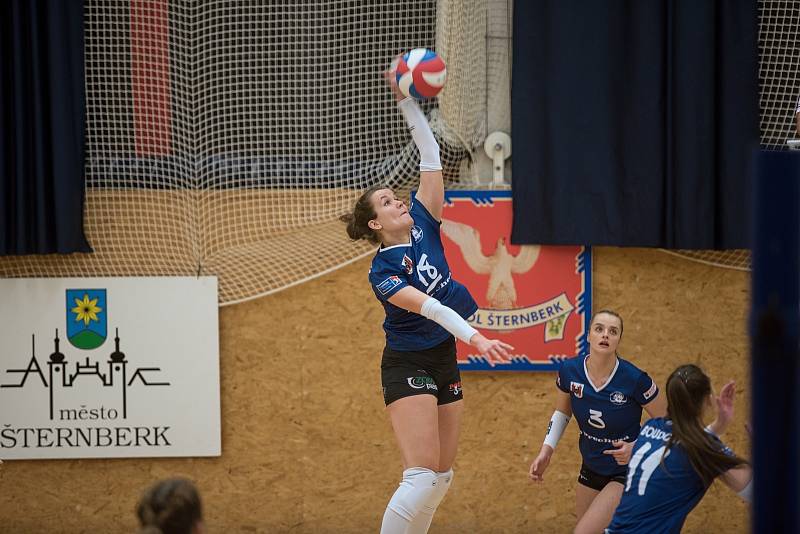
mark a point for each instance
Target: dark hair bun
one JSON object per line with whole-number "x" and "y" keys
{"x": 353, "y": 231}
{"x": 358, "y": 220}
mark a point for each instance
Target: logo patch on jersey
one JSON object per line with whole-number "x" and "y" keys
{"x": 577, "y": 389}
{"x": 388, "y": 284}
{"x": 416, "y": 233}
{"x": 650, "y": 392}
{"x": 408, "y": 265}
{"x": 618, "y": 398}
{"x": 455, "y": 388}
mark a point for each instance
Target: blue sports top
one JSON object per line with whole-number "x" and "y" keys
{"x": 420, "y": 263}
{"x": 658, "y": 496}
{"x": 605, "y": 412}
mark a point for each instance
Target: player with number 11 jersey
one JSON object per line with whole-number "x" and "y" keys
{"x": 675, "y": 459}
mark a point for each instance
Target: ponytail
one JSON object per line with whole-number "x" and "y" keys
{"x": 687, "y": 389}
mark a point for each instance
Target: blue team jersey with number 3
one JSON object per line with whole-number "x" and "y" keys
{"x": 420, "y": 264}
{"x": 605, "y": 412}
{"x": 658, "y": 495}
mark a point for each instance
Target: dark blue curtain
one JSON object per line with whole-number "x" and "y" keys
{"x": 42, "y": 127}
{"x": 634, "y": 122}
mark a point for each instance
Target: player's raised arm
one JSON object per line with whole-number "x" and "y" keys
{"x": 431, "y": 182}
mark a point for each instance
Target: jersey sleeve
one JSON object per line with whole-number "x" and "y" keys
{"x": 423, "y": 217}
{"x": 562, "y": 382}
{"x": 724, "y": 449}
{"x": 646, "y": 389}
{"x": 386, "y": 280}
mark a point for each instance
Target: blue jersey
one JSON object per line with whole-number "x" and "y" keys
{"x": 605, "y": 412}
{"x": 657, "y": 498}
{"x": 421, "y": 264}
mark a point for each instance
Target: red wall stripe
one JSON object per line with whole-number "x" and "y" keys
{"x": 152, "y": 106}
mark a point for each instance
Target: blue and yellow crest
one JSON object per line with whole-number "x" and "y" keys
{"x": 87, "y": 317}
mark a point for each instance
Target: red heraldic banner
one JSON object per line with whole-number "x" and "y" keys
{"x": 537, "y": 298}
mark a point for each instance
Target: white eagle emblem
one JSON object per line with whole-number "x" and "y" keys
{"x": 501, "y": 294}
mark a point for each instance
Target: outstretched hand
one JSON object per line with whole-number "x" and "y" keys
{"x": 494, "y": 350}
{"x": 725, "y": 403}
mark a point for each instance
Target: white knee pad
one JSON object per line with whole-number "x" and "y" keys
{"x": 424, "y": 517}
{"x": 418, "y": 489}
{"x": 442, "y": 485}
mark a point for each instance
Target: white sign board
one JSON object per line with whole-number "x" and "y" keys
{"x": 109, "y": 367}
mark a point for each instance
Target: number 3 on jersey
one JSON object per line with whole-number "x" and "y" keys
{"x": 596, "y": 418}
{"x": 432, "y": 273}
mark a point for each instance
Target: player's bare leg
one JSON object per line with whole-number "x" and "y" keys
{"x": 449, "y": 430}
{"x": 596, "y": 512}
{"x": 583, "y": 499}
{"x": 415, "y": 421}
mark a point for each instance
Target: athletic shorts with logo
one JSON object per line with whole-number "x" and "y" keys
{"x": 426, "y": 372}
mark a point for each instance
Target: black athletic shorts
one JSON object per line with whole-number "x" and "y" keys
{"x": 426, "y": 372}
{"x": 596, "y": 481}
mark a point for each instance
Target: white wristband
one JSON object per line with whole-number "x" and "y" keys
{"x": 558, "y": 422}
{"x": 422, "y": 135}
{"x": 448, "y": 319}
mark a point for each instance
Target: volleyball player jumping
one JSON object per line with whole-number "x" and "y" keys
{"x": 425, "y": 312}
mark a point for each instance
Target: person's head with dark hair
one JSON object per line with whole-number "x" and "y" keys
{"x": 689, "y": 396}
{"x": 171, "y": 506}
{"x": 378, "y": 216}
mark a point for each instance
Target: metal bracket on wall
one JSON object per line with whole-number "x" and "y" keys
{"x": 498, "y": 148}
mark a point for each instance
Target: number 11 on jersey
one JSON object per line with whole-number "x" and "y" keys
{"x": 648, "y": 466}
